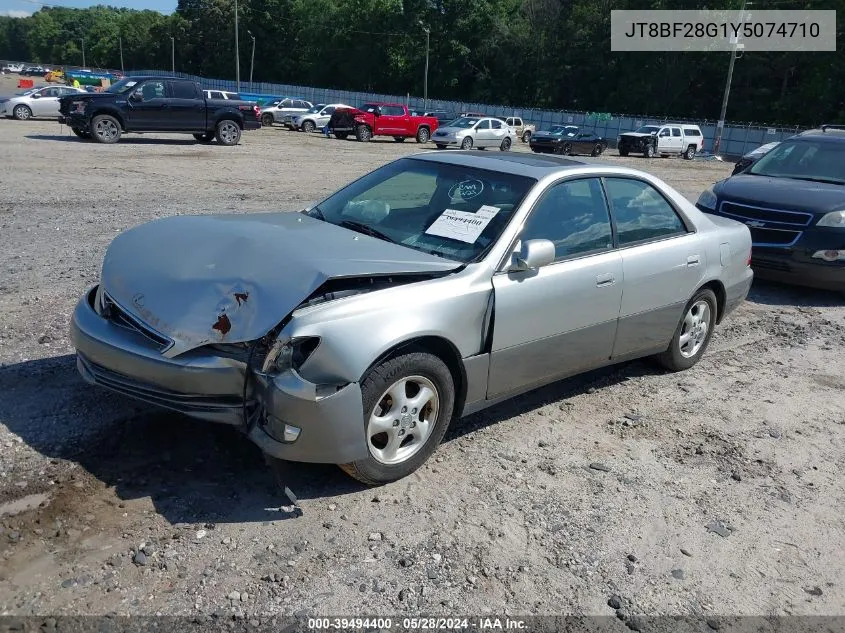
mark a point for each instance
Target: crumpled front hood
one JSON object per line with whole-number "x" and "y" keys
{"x": 233, "y": 278}
{"x": 636, "y": 134}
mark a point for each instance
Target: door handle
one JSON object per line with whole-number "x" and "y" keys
{"x": 607, "y": 279}
{"x": 693, "y": 260}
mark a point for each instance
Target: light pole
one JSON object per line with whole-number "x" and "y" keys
{"x": 172, "y": 54}
{"x": 237, "y": 53}
{"x": 720, "y": 124}
{"x": 425, "y": 80}
{"x": 120, "y": 43}
{"x": 83, "y": 51}
{"x": 252, "y": 60}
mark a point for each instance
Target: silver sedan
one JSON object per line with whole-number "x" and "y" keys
{"x": 355, "y": 331}
{"x": 475, "y": 132}
{"x": 38, "y": 102}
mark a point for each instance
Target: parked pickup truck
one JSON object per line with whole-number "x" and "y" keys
{"x": 681, "y": 139}
{"x": 157, "y": 104}
{"x": 524, "y": 130}
{"x": 389, "y": 119}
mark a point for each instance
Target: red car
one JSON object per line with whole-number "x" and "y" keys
{"x": 389, "y": 119}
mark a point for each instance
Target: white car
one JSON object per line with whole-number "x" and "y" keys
{"x": 316, "y": 118}
{"x": 480, "y": 132}
{"x": 282, "y": 111}
{"x": 37, "y": 102}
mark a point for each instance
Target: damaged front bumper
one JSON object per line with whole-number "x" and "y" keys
{"x": 290, "y": 417}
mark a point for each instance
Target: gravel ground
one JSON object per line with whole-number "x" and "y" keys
{"x": 713, "y": 492}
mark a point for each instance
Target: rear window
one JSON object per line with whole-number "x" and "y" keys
{"x": 692, "y": 131}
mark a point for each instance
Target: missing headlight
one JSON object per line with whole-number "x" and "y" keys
{"x": 290, "y": 354}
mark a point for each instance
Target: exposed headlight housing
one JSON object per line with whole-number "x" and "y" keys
{"x": 835, "y": 219}
{"x": 290, "y": 354}
{"x": 707, "y": 199}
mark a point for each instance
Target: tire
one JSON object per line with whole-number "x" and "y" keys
{"x": 526, "y": 136}
{"x": 105, "y": 129}
{"x": 308, "y": 126}
{"x": 423, "y": 135}
{"x": 22, "y": 112}
{"x": 363, "y": 133}
{"x": 683, "y": 355}
{"x": 391, "y": 458}
{"x": 623, "y": 152}
{"x": 227, "y": 132}
{"x": 341, "y": 135}
{"x": 267, "y": 120}
{"x": 566, "y": 149}
{"x": 466, "y": 143}
{"x": 506, "y": 144}
{"x": 399, "y": 139}
{"x": 81, "y": 133}
{"x": 690, "y": 153}
{"x": 204, "y": 138}
{"x": 649, "y": 151}
{"x": 439, "y": 146}
{"x": 598, "y": 148}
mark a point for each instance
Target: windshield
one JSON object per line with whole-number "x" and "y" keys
{"x": 820, "y": 160}
{"x": 647, "y": 129}
{"x": 451, "y": 211}
{"x": 564, "y": 130}
{"x": 464, "y": 122}
{"x": 369, "y": 107}
{"x": 121, "y": 86}
{"x": 315, "y": 109}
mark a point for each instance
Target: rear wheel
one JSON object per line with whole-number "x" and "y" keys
{"x": 81, "y": 133}
{"x": 105, "y": 129}
{"x": 204, "y": 138}
{"x": 506, "y": 144}
{"x": 267, "y": 119}
{"x": 423, "y": 135}
{"x": 408, "y": 402}
{"x": 308, "y": 126}
{"x": 228, "y": 132}
{"x": 692, "y": 334}
{"x": 466, "y": 143}
{"x": 690, "y": 153}
{"x": 22, "y": 112}
{"x": 526, "y": 136}
{"x": 363, "y": 133}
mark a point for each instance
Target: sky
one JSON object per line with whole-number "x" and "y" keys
{"x": 22, "y": 8}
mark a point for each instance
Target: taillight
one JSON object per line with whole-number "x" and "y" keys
{"x": 257, "y": 111}
{"x": 748, "y": 262}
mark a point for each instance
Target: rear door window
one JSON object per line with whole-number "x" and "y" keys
{"x": 641, "y": 212}
{"x": 183, "y": 90}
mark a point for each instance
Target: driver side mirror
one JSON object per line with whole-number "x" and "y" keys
{"x": 35, "y": 95}
{"x": 377, "y": 112}
{"x": 136, "y": 96}
{"x": 533, "y": 254}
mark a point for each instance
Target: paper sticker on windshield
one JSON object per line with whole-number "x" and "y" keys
{"x": 462, "y": 225}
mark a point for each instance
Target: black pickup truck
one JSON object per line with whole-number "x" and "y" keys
{"x": 157, "y": 104}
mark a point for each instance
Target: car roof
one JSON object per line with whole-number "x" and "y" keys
{"x": 828, "y": 132}
{"x": 520, "y": 164}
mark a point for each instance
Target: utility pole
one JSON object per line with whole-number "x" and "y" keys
{"x": 120, "y": 43}
{"x": 720, "y": 124}
{"x": 425, "y": 79}
{"x": 252, "y": 61}
{"x": 237, "y": 52}
{"x": 83, "y": 51}
{"x": 173, "y": 54}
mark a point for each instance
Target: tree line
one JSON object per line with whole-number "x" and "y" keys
{"x": 551, "y": 54}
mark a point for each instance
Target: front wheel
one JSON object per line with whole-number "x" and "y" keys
{"x": 408, "y": 402}
{"x": 506, "y": 144}
{"x": 423, "y": 135}
{"x": 228, "y": 132}
{"x": 267, "y": 120}
{"x": 692, "y": 334}
{"x": 598, "y": 148}
{"x": 105, "y": 129}
{"x": 81, "y": 133}
{"x": 466, "y": 143}
{"x": 308, "y": 126}
{"x": 22, "y": 113}
{"x": 363, "y": 133}
{"x": 649, "y": 151}
{"x": 566, "y": 149}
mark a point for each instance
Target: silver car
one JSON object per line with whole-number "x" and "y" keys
{"x": 281, "y": 111}
{"x": 355, "y": 331}
{"x": 478, "y": 132}
{"x": 38, "y": 102}
{"x": 316, "y": 118}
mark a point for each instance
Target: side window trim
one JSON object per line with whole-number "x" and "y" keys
{"x": 688, "y": 226}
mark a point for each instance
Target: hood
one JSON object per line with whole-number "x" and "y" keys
{"x": 637, "y": 134}
{"x": 782, "y": 193}
{"x": 233, "y": 278}
{"x": 88, "y": 96}
{"x": 451, "y": 130}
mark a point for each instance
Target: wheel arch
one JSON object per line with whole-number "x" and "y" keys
{"x": 439, "y": 346}
{"x": 718, "y": 289}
